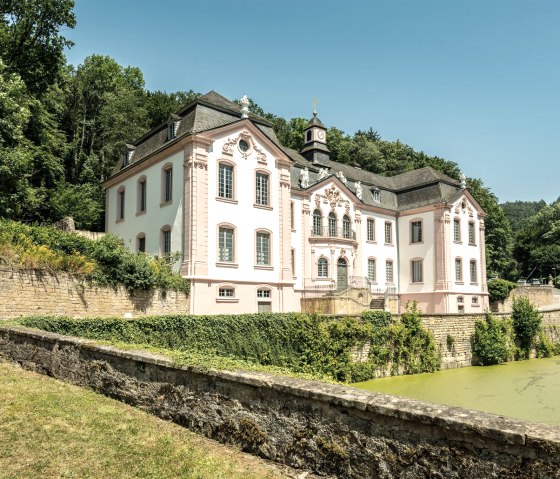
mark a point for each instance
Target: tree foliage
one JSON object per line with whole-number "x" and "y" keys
{"x": 520, "y": 212}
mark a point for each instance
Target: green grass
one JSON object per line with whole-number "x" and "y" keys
{"x": 49, "y": 429}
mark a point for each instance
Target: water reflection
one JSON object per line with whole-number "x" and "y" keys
{"x": 525, "y": 389}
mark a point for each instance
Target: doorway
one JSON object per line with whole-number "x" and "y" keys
{"x": 342, "y": 274}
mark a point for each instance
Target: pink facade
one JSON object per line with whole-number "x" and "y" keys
{"x": 259, "y": 227}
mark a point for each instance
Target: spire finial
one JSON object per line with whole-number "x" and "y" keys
{"x": 315, "y": 106}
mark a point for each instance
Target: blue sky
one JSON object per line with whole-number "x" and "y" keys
{"x": 475, "y": 82}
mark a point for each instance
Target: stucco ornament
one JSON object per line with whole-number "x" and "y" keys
{"x": 245, "y": 136}
{"x": 304, "y": 178}
{"x": 333, "y": 196}
{"x": 359, "y": 191}
{"x": 341, "y": 177}
{"x": 323, "y": 173}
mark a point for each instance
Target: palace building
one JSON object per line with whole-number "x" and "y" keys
{"x": 261, "y": 227}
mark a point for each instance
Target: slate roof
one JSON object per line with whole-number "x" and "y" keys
{"x": 412, "y": 189}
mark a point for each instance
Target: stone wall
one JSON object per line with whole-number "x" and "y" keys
{"x": 25, "y": 293}
{"x": 538, "y": 295}
{"x": 329, "y": 429}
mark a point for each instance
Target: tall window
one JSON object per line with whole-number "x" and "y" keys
{"x": 120, "y": 204}
{"x": 472, "y": 236}
{"x": 225, "y": 244}
{"x": 332, "y": 224}
{"x": 141, "y": 243}
{"x": 346, "y": 226}
{"x": 317, "y": 223}
{"x": 292, "y": 218}
{"x": 388, "y": 271}
{"x": 263, "y": 248}
{"x": 474, "y": 276}
{"x": 371, "y": 269}
{"x": 261, "y": 189}
{"x": 171, "y": 131}
{"x": 371, "y": 229}
{"x": 323, "y": 268}
{"x": 457, "y": 229}
{"x": 225, "y": 181}
{"x": 458, "y": 269}
{"x": 416, "y": 232}
{"x": 167, "y": 184}
{"x": 417, "y": 271}
{"x": 293, "y": 261}
{"x": 388, "y": 233}
{"x": 166, "y": 241}
{"x": 142, "y": 195}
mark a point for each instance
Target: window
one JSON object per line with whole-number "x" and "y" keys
{"x": 120, "y": 204}
{"x": 371, "y": 269}
{"x": 141, "y": 243}
{"x": 167, "y": 186}
{"x": 171, "y": 131}
{"x": 474, "y": 301}
{"x": 142, "y": 195}
{"x": 472, "y": 236}
{"x": 376, "y": 195}
{"x": 323, "y": 268}
{"x": 346, "y": 231}
{"x": 457, "y": 230}
{"x": 388, "y": 233}
{"x": 225, "y": 244}
{"x": 308, "y": 135}
{"x": 371, "y": 229}
{"x": 263, "y": 293}
{"x": 225, "y": 181}
{"x": 261, "y": 190}
{"x": 317, "y": 223}
{"x": 293, "y": 261}
{"x": 417, "y": 271}
{"x": 473, "y": 271}
{"x": 292, "y": 218}
{"x": 263, "y": 248}
{"x": 460, "y": 304}
{"x": 166, "y": 241}
{"x": 226, "y": 292}
{"x": 388, "y": 271}
{"x": 126, "y": 159}
{"x": 332, "y": 224}
{"x": 458, "y": 269}
{"x": 416, "y": 232}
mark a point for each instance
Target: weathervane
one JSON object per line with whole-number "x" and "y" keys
{"x": 315, "y": 106}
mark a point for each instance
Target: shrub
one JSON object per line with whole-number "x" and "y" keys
{"x": 499, "y": 289}
{"x": 526, "y": 324}
{"x": 544, "y": 346}
{"x": 493, "y": 340}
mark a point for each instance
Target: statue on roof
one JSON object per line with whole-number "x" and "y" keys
{"x": 341, "y": 177}
{"x": 359, "y": 191}
{"x": 304, "y": 178}
{"x": 323, "y": 173}
{"x": 463, "y": 180}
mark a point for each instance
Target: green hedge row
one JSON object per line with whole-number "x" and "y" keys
{"x": 300, "y": 343}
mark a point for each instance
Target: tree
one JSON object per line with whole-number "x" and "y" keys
{"x": 520, "y": 212}
{"x": 498, "y": 235}
{"x": 30, "y": 41}
{"x": 159, "y": 104}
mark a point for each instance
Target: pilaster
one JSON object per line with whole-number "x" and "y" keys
{"x": 359, "y": 248}
{"x": 285, "y": 228}
{"x": 482, "y": 245}
{"x": 306, "y": 260}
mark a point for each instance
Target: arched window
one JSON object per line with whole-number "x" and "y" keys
{"x": 371, "y": 272}
{"x": 417, "y": 270}
{"x": 167, "y": 184}
{"x": 226, "y": 181}
{"x": 120, "y": 204}
{"x": 308, "y": 135}
{"x": 323, "y": 268}
{"x": 141, "y": 242}
{"x": 262, "y": 190}
{"x": 332, "y": 224}
{"x": 473, "y": 272}
{"x": 346, "y": 231}
{"x": 263, "y": 248}
{"x": 226, "y": 243}
{"x": 165, "y": 246}
{"x": 317, "y": 223}
{"x": 141, "y": 198}
{"x": 458, "y": 269}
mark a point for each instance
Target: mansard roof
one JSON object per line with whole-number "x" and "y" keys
{"x": 409, "y": 190}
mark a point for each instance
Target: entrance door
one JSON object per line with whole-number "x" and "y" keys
{"x": 342, "y": 274}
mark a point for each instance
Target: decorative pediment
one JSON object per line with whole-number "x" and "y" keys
{"x": 246, "y": 146}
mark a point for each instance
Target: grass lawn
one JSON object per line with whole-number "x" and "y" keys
{"x": 50, "y": 429}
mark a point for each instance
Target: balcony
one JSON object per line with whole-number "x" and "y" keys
{"x": 329, "y": 232}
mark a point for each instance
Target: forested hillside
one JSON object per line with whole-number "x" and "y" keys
{"x": 62, "y": 128}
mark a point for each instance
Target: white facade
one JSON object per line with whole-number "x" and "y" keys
{"x": 250, "y": 239}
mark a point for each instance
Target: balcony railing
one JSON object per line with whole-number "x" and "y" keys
{"x": 328, "y": 232}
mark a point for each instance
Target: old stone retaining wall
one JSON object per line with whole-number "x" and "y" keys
{"x": 538, "y": 295}
{"x": 453, "y": 334}
{"x": 29, "y": 292}
{"x": 327, "y": 428}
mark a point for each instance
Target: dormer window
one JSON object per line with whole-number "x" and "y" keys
{"x": 127, "y": 156}
{"x": 376, "y": 195}
{"x": 172, "y": 124}
{"x": 170, "y": 131}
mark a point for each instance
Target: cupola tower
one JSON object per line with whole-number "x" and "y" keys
{"x": 315, "y": 140}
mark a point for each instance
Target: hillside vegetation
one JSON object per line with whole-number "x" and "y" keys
{"x": 106, "y": 262}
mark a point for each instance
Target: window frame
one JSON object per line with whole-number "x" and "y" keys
{"x": 472, "y": 233}
{"x": 139, "y": 237}
{"x": 166, "y": 186}
{"x": 392, "y": 270}
{"x": 416, "y": 222}
{"x": 475, "y": 271}
{"x": 142, "y": 195}
{"x": 258, "y": 189}
{"x": 226, "y": 297}
{"x": 322, "y": 266}
{"x": 371, "y": 279}
{"x": 333, "y": 224}
{"x": 417, "y": 262}
{"x": 388, "y": 232}
{"x": 317, "y": 231}
{"x": 219, "y": 260}
{"x": 228, "y": 164}
{"x": 163, "y": 233}
{"x": 346, "y": 227}
{"x": 268, "y": 264}
{"x": 459, "y": 270}
{"x": 370, "y": 238}
{"x": 121, "y": 204}
{"x": 457, "y": 230}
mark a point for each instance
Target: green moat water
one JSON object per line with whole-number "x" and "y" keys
{"x": 523, "y": 389}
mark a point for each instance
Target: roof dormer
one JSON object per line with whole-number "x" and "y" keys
{"x": 172, "y": 126}
{"x": 128, "y": 154}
